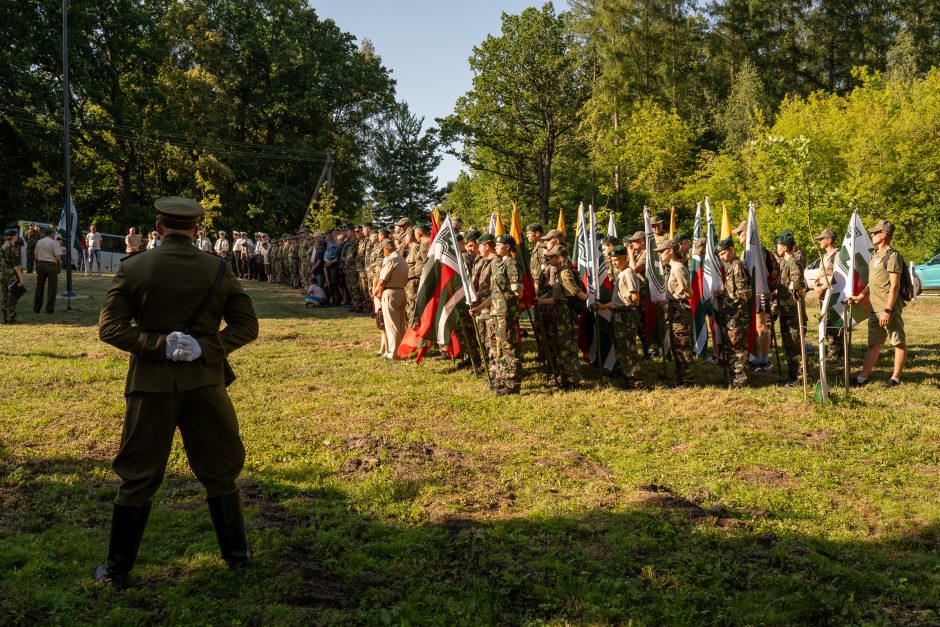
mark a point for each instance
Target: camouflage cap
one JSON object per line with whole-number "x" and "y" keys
{"x": 553, "y": 234}
{"x": 387, "y": 243}
{"x": 403, "y": 222}
{"x": 639, "y": 236}
{"x": 666, "y": 244}
{"x": 740, "y": 228}
{"x": 699, "y": 243}
{"x": 883, "y": 226}
{"x": 726, "y": 243}
{"x": 558, "y": 250}
{"x": 826, "y": 234}
{"x": 657, "y": 219}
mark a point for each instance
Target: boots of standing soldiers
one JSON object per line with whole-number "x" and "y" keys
{"x": 127, "y": 530}
{"x": 229, "y": 523}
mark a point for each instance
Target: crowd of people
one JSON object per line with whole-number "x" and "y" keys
{"x": 375, "y": 271}
{"x": 382, "y": 268}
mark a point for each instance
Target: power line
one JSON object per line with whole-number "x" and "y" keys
{"x": 215, "y": 146}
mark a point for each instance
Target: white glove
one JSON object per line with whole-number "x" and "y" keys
{"x": 171, "y": 342}
{"x": 187, "y": 349}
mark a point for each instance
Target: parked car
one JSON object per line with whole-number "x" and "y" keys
{"x": 929, "y": 273}
{"x": 810, "y": 273}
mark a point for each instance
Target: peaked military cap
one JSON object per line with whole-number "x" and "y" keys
{"x": 740, "y": 228}
{"x": 639, "y": 236}
{"x": 827, "y": 234}
{"x": 553, "y": 234}
{"x": 177, "y": 212}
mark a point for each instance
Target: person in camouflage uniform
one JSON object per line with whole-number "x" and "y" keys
{"x": 348, "y": 254}
{"x": 10, "y": 271}
{"x": 411, "y": 287}
{"x": 373, "y": 264}
{"x": 733, "y": 309}
{"x": 305, "y": 253}
{"x": 32, "y": 238}
{"x": 790, "y": 292}
{"x": 293, "y": 256}
{"x": 563, "y": 335}
{"x": 678, "y": 309}
{"x": 362, "y": 254}
{"x": 624, "y": 308}
{"x": 481, "y": 277}
{"x": 505, "y": 356}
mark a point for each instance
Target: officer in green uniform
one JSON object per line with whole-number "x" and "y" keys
{"x": 165, "y": 307}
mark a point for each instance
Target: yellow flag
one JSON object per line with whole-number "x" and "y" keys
{"x": 499, "y": 226}
{"x": 515, "y": 225}
{"x": 436, "y": 218}
{"x": 725, "y": 222}
{"x": 672, "y": 223}
{"x": 561, "y": 221}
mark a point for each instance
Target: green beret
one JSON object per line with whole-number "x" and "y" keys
{"x": 48, "y": 230}
{"x": 426, "y": 228}
{"x": 486, "y": 238}
{"x": 786, "y": 239}
{"x": 506, "y": 239}
{"x": 726, "y": 243}
{"x": 177, "y": 212}
{"x": 368, "y": 225}
{"x": 535, "y": 226}
{"x": 682, "y": 236}
{"x": 11, "y": 232}
{"x": 610, "y": 239}
{"x": 617, "y": 251}
{"x": 472, "y": 235}
{"x": 384, "y": 232}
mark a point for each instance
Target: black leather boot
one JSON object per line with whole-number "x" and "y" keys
{"x": 229, "y": 523}
{"x": 127, "y": 529}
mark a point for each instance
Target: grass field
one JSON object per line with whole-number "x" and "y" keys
{"x": 389, "y": 493}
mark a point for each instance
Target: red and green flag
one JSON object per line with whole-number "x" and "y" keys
{"x": 443, "y": 288}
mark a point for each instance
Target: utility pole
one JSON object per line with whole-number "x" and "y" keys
{"x": 68, "y": 161}
{"x": 326, "y": 173}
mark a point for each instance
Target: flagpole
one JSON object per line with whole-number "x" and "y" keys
{"x": 66, "y": 149}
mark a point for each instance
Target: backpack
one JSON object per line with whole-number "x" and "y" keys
{"x": 908, "y": 290}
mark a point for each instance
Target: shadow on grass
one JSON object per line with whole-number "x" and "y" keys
{"x": 327, "y": 555}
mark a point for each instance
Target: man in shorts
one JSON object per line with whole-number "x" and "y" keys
{"x": 885, "y": 305}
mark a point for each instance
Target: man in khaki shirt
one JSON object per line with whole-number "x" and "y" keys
{"x": 48, "y": 254}
{"x": 884, "y": 314}
{"x": 390, "y": 287}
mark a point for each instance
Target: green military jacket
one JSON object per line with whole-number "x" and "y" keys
{"x": 505, "y": 282}
{"x": 791, "y": 280}
{"x": 737, "y": 290}
{"x": 155, "y": 293}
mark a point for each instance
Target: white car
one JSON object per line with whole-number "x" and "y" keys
{"x": 810, "y": 273}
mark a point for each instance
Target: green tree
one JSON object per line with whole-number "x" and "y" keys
{"x": 404, "y": 158}
{"x": 528, "y": 90}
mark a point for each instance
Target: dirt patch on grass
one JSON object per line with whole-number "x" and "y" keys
{"x": 665, "y": 498}
{"x": 575, "y": 465}
{"x": 409, "y": 459}
{"x": 272, "y": 513}
{"x": 761, "y": 475}
{"x": 815, "y": 439}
